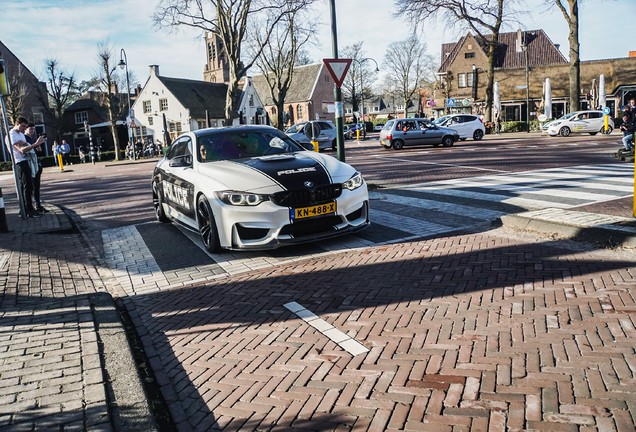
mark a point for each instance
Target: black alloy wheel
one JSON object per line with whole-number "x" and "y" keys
{"x": 448, "y": 141}
{"x": 207, "y": 226}
{"x": 478, "y": 135}
{"x": 398, "y": 144}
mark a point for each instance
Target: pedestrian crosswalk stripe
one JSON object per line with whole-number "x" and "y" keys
{"x": 412, "y": 225}
{"x": 465, "y": 211}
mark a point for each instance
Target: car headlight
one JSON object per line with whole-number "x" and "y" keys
{"x": 241, "y": 198}
{"x": 354, "y": 182}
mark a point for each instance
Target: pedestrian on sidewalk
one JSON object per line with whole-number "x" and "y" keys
{"x": 497, "y": 123}
{"x": 18, "y": 142}
{"x": 36, "y": 167}
{"x": 628, "y": 127}
{"x": 66, "y": 152}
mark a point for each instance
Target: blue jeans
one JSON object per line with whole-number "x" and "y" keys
{"x": 628, "y": 141}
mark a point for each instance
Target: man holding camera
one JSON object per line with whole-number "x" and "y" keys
{"x": 36, "y": 167}
{"x": 20, "y": 146}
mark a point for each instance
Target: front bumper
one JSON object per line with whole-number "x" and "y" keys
{"x": 268, "y": 226}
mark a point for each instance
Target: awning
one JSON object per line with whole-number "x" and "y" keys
{"x": 382, "y": 116}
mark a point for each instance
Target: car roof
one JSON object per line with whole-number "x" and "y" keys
{"x": 213, "y": 130}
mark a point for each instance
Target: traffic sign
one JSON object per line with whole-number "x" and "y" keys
{"x": 606, "y": 110}
{"x": 132, "y": 123}
{"x": 431, "y": 103}
{"x": 466, "y": 102}
{"x": 337, "y": 69}
{"x": 450, "y": 102}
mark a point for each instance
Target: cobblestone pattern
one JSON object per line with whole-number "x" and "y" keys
{"x": 50, "y": 368}
{"x": 497, "y": 330}
{"x": 621, "y": 207}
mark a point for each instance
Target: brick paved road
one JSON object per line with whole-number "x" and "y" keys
{"x": 487, "y": 331}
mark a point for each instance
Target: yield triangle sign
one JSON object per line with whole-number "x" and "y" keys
{"x": 337, "y": 69}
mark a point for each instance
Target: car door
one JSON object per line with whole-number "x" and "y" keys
{"x": 412, "y": 134}
{"x": 177, "y": 182}
{"x": 456, "y": 123}
{"x": 596, "y": 121}
{"x": 579, "y": 123}
{"x": 430, "y": 133}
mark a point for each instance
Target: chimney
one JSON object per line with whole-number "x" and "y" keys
{"x": 154, "y": 70}
{"x": 558, "y": 46}
{"x": 519, "y": 41}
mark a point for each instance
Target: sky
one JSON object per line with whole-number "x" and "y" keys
{"x": 69, "y": 31}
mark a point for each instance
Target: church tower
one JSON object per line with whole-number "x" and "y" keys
{"x": 217, "y": 69}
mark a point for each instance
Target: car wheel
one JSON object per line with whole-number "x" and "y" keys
{"x": 398, "y": 144}
{"x": 334, "y": 145}
{"x": 157, "y": 202}
{"x": 608, "y": 131}
{"x": 448, "y": 141}
{"x": 478, "y": 135}
{"x": 207, "y": 226}
{"x": 565, "y": 131}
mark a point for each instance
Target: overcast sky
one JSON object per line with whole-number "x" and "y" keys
{"x": 69, "y": 30}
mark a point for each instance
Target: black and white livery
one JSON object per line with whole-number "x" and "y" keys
{"x": 253, "y": 187}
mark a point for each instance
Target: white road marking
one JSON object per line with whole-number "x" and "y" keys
{"x": 441, "y": 164}
{"x": 345, "y": 342}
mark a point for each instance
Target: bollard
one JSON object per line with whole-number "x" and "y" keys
{"x": 316, "y": 148}
{"x": 357, "y": 134}
{"x": 60, "y": 163}
{"x": 3, "y": 216}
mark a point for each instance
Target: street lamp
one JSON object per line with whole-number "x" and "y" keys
{"x": 123, "y": 63}
{"x": 377, "y": 69}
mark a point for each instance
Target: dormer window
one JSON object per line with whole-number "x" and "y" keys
{"x": 469, "y": 55}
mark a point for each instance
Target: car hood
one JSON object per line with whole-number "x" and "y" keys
{"x": 271, "y": 174}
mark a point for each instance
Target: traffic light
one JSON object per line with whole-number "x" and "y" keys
{"x": 86, "y": 127}
{"x": 588, "y": 96}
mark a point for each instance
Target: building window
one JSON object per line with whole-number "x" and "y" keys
{"x": 178, "y": 126}
{"x": 469, "y": 55}
{"x": 301, "y": 115}
{"x": 38, "y": 118}
{"x": 251, "y": 100}
{"x": 461, "y": 80}
{"x": 349, "y": 110}
{"x": 81, "y": 117}
{"x": 150, "y": 119}
{"x": 469, "y": 78}
{"x": 147, "y": 107}
{"x": 172, "y": 127}
{"x": 164, "y": 104}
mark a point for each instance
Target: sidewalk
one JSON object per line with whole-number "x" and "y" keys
{"x": 65, "y": 363}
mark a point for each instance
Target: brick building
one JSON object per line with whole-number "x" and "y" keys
{"x": 31, "y": 108}
{"x": 310, "y": 96}
{"x": 463, "y": 75}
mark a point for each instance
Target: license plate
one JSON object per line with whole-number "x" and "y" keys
{"x": 382, "y": 142}
{"x": 319, "y": 210}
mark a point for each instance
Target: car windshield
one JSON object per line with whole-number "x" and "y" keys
{"x": 296, "y": 128}
{"x": 567, "y": 116}
{"x": 389, "y": 125}
{"x": 237, "y": 144}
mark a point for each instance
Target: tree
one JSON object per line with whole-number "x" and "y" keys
{"x": 408, "y": 68}
{"x": 107, "y": 83}
{"x": 279, "y": 54}
{"x": 61, "y": 92}
{"x": 570, "y": 11}
{"x": 14, "y": 102}
{"x": 229, "y": 20}
{"x": 361, "y": 73}
{"x": 476, "y": 15}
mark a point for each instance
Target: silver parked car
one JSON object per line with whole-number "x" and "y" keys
{"x": 414, "y": 131}
{"x": 326, "y": 140}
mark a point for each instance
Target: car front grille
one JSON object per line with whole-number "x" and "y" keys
{"x": 309, "y": 227}
{"x": 303, "y": 197}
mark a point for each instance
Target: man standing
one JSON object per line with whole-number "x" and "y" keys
{"x": 20, "y": 146}
{"x": 36, "y": 167}
{"x": 66, "y": 151}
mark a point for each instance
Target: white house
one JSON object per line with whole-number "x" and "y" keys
{"x": 189, "y": 105}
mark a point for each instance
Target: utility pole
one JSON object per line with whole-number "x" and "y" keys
{"x": 336, "y": 90}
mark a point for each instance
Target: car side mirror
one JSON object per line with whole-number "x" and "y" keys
{"x": 307, "y": 146}
{"x": 181, "y": 161}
